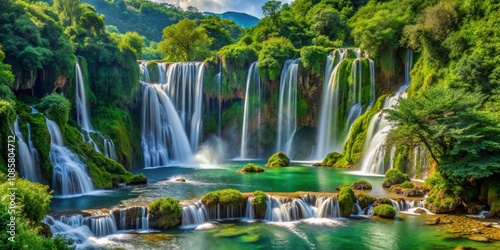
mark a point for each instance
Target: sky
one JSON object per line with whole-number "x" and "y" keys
{"x": 252, "y": 7}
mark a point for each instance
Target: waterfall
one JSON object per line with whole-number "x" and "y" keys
{"x": 284, "y": 209}
{"x": 405, "y": 205}
{"x": 249, "y": 210}
{"x": 375, "y": 149}
{"x": 130, "y": 218}
{"x": 143, "y": 67}
{"x": 100, "y": 225}
{"x": 194, "y": 215}
{"x": 340, "y": 107}
{"x": 79, "y": 234}
{"x": 163, "y": 136}
{"x": 27, "y": 155}
{"x": 83, "y": 119}
{"x": 218, "y": 77}
{"x": 162, "y": 73}
{"x": 252, "y": 110}
{"x": 419, "y": 167}
{"x": 287, "y": 109}
{"x": 70, "y": 173}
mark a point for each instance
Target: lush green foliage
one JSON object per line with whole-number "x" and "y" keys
{"x": 259, "y": 203}
{"x": 165, "y": 213}
{"x": 394, "y": 176}
{"x": 311, "y": 58}
{"x": 385, "y": 211}
{"x": 224, "y": 197}
{"x": 6, "y": 76}
{"x": 273, "y": 54}
{"x": 365, "y": 200}
{"x": 185, "y": 42}
{"x": 56, "y": 107}
{"x": 32, "y": 201}
{"x": 41, "y": 140}
{"x": 278, "y": 159}
{"x": 346, "y": 198}
{"x": 407, "y": 184}
{"x": 251, "y": 168}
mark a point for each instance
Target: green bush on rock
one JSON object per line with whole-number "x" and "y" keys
{"x": 394, "y": 176}
{"x": 251, "y": 168}
{"x": 259, "y": 203}
{"x": 385, "y": 211}
{"x": 56, "y": 107}
{"x": 361, "y": 185}
{"x": 407, "y": 184}
{"x": 279, "y": 159}
{"x": 165, "y": 213}
{"x": 365, "y": 200}
{"x": 224, "y": 197}
{"x": 346, "y": 199}
{"x": 334, "y": 159}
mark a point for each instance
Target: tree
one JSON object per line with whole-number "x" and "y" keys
{"x": 271, "y": 9}
{"x": 134, "y": 41}
{"x": 70, "y": 8}
{"x": 464, "y": 141}
{"x": 185, "y": 42}
{"x": 6, "y": 76}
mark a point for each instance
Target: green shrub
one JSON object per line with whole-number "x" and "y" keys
{"x": 224, "y": 197}
{"x": 251, "y": 168}
{"x": 165, "y": 213}
{"x": 346, "y": 198}
{"x": 384, "y": 201}
{"x": 279, "y": 159}
{"x": 259, "y": 203}
{"x": 394, "y": 176}
{"x": 56, "y": 107}
{"x": 311, "y": 58}
{"x": 385, "y": 211}
{"x": 365, "y": 200}
{"x": 6, "y": 93}
{"x": 272, "y": 56}
{"x": 407, "y": 184}
{"x": 361, "y": 185}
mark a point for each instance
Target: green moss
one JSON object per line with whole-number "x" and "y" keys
{"x": 154, "y": 72}
{"x": 302, "y": 107}
{"x": 8, "y": 117}
{"x": 385, "y": 211}
{"x": 278, "y": 159}
{"x": 104, "y": 172}
{"x": 311, "y": 58}
{"x": 394, "y": 176}
{"x": 251, "y": 168}
{"x": 56, "y": 107}
{"x": 401, "y": 157}
{"x": 165, "y": 213}
{"x": 224, "y": 197}
{"x": 365, "y": 200}
{"x": 384, "y": 201}
{"x": 334, "y": 159}
{"x": 361, "y": 185}
{"x": 346, "y": 199}
{"x": 259, "y": 203}
{"x": 233, "y": 115}
{"x": 355, "y": 144}
{"x": 407, "y": 184}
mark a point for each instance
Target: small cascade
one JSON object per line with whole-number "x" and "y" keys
{"x": 27, "y": 155}
{"x": 287, "y": 109}
{"x": 419, "y": 166}
{"x": 163, "y": 136}
{"x": 194, "y": 215}
{"x": 218, "y": 77}
{"x": 358, "y": 209}
{"x": 342, "y": 101}
{"x": 184, "y": 87}
{"x": 162, "y": 73}
{"x": 83, "y": 118}
{"x": 283, "y": 210}
{"x": 100, "y": 225}
{"x": 143, "y": 66}
{"x": 70, "y": 173}
{"x": 249, "y": 210}
{"x": 79, "y": 234}
{"x": 252, "y": 111}
{"x": 327, "y": 207}
{"x": 130, "y": 218}
{"x": 373, "y": 161}
{"x": 405, "y": 205}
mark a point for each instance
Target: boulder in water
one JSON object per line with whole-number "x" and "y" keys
{"x": 361, "y": 185}
{"x": 279, "y": 159}
{"x": 420, "y": 211}
{"x": 180, "y": 179}
{"x": 251, "y": 168}
{"x": 433, "y": 222}
{"x": 385, "y": 211}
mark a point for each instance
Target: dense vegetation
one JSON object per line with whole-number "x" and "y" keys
{"x": 165, "y": 213}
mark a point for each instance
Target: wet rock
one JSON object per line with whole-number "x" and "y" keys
{"x": 489, "y": 215}
{"x": 420, "y": 211}
{"x": 433, "y": 222}
{"x": 180, "y": 179}
{"x": 386, "y": 184}
{"x": 478, "y": 238}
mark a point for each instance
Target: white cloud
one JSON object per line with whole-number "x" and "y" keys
{"x": 252, "y": 7}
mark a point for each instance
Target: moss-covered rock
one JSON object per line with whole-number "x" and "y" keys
{"x": 386, "y": 201}
{"x": 341, "y": 186}
{"x": 385, "y": 211}
{"x": 361, "y": 185}
{"x": 165, "y": 213}
{"x": 346, "y": 199}
{"x": 441, "y": 198}
{"x": 365, "y": 200}
{"x": 279, "y": 159}
{"x": 407, "y": 184}
{"x": 334, "y": 159}
{"x": 394, "y": 176}
{"x": 251, "y": 168}
{"x": 224, "y": 197}
{"x": 259, "y": 203}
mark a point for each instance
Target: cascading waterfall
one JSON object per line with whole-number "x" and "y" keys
{"x": 218, "y": 77}
{"x": 27, "y": 155}
{"x": 287, "y": 110}
{"x": 419, "y": 167}
{"x": 194, "y": 215}
{"x": 334, "y": 122}
{"x": 308, "y": 206}
{"x": 252, "y": 109}
{"x": 69, "y": 176}
{"x": 373, "y": 161}
{"x": 163, "y": 136}
{"x": 249, "y": 210}
{"x": 405, "y": 205}
{"x": 83, "y": 119}
{"x": 143, "y": 67}
{"x": 162, "y": 73}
